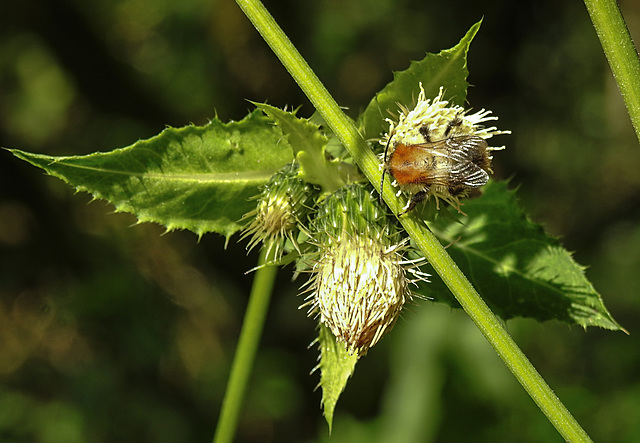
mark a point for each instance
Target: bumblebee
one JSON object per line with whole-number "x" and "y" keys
{"x": 447, "y": 169}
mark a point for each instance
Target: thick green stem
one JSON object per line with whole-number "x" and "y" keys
{"x": 246, "y": 351}
{"x": 468, "y": 297}
{"x": 618, "y": 47}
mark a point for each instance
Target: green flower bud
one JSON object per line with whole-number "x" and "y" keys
{"x": 359, "y": 283}
{"x": 281, "y": 212}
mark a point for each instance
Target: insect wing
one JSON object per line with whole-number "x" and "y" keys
{"x": 439, "y": 169}
{"x": 454, "y": 161}
{"x": 469, "y": 174}
{"x": 468, "y": 148}
{"x": 461, "y": 149}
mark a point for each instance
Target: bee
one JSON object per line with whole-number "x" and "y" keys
{"x": 447, "y": 168}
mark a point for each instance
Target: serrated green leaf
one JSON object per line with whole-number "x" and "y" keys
{"x": 336, "y": 366}
{"x": 517, "y": 268}
{"x": 198, "y": 178}
{"x": 447, "y": 69}
{"x": 308, "y": 145}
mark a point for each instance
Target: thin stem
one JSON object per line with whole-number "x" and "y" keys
{"x": 245, "y": 353}
{"x": 618, "y": 47}
{"x": 348, "y": 134}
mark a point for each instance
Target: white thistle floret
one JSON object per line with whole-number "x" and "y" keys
{"x": 436, "y": 115}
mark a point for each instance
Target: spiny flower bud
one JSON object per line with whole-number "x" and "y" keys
{"x": 282, "y": 209}
{"x": 359, "y": 283}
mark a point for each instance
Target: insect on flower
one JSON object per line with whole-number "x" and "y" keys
{"x": 446, "y": 168}
{"x": 438, "y": 150}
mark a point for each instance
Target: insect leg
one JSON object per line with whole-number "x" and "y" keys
{"x": 415, "y": 199}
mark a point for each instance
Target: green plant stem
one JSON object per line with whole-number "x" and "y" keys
{"x": 618, "y": 47}
{"x": 245, "y": 353}
{"x": 468, "y": 297}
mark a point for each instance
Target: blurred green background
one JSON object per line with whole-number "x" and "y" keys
{"x": 114, "y": 332}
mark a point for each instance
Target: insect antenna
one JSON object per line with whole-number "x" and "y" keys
{"x": 384, "y": 169}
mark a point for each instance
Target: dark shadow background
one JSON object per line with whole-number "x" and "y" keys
{"x": 113, "y": 332}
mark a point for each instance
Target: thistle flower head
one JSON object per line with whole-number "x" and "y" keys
{"x": 359, "y": 283}
{"x": 436, "y": 115}
{"x": 282, "y": 208}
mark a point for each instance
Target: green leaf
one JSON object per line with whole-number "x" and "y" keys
{"x": 198, "y": 178}
{"x": 517, "y": 268}
{"x": 336, "y": 366}
{"x": 308, "y": 145}
{"x": 447, "y": 69}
